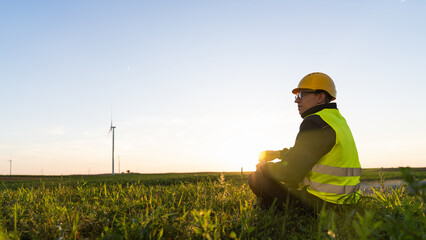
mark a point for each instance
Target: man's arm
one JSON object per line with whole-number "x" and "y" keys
{"x": 269, "y": 155}
{"x": 315, "y": 139}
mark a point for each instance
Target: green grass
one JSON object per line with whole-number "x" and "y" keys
{"x": 190, "y": 206}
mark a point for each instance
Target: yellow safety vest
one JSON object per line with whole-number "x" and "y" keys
{"x": 335, "y": 177}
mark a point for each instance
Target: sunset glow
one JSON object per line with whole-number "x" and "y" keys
{"x": 202, "y": 86}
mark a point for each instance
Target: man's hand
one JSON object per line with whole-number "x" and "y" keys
{"x": 267, "y": 156}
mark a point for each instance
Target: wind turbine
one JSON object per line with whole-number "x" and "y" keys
{"x": 112, "y": 128}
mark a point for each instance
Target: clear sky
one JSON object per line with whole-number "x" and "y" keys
{"x": 203, "y": 85}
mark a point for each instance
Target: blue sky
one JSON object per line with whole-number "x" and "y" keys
{"x": 202, "y": 85}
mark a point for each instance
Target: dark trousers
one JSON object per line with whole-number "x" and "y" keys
{"x": 267, "y": 189}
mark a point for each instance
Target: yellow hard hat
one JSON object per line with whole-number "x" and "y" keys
{"x": 317, "y": 81}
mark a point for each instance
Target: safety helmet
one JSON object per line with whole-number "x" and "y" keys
{"x": 317, "y": 81}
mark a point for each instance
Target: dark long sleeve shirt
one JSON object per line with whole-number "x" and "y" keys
{"x": 314, "y": 140}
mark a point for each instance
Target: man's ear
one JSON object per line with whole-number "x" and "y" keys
{"x": 321, "y": 98}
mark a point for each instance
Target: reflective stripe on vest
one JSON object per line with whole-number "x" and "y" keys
{"x": 331, "y": 188}
{"x": 337, "y": 171}
{"x": 336, "y": 189}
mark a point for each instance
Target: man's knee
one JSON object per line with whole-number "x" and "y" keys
{"x": 252, "y": 180}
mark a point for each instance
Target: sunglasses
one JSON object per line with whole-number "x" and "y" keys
{"x": 300, "y": 94}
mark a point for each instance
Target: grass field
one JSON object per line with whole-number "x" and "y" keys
{"x": 195, "y": 206}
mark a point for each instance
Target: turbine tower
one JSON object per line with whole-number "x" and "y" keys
{"x": 112, "y": 128}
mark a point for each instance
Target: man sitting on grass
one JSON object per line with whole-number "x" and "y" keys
{"x": 323, "y": 166}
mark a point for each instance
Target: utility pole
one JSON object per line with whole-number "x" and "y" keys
{"x": 10, "y": 166}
